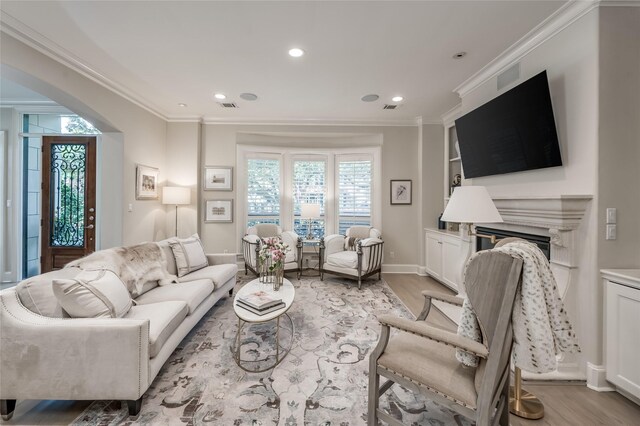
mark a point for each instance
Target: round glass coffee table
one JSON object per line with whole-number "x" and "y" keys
{"x": 287, "y": 293}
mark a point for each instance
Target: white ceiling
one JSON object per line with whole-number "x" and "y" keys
{"x": 162, "y": 53}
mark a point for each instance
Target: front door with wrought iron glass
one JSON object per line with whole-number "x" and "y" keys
{"x": 68, "y": 199}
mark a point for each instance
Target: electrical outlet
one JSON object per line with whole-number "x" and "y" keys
{"x": 130, "y": 207}
{"x": 392, "y": 254}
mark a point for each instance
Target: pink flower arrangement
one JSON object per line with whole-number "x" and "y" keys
{"x": 275, "y": 249}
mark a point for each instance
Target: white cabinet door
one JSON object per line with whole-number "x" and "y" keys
{"x": 623, "y": 337}
{"x": 451, "y": 262}
{"x": 434, "y": 255}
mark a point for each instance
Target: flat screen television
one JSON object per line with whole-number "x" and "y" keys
{"x": 514, "y": 132}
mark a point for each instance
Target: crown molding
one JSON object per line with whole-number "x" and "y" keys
{"x": 36, "y": 108}
{"x": 311, "y": 122}
{"x": 27, "y": 35}
{"x": 19, "y": 102}
{"x": 185, "y": 119}
{"x": 451, "y": 115}
{"x": 558, "y": 21}
{"x": 620, "y": 3}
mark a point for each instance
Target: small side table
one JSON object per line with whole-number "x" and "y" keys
{"x": 315, "y": 243}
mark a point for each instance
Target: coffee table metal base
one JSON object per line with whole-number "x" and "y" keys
{"x": 279, "y": 356}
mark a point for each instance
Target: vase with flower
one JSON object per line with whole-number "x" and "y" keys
{"x": 272, "y": 255}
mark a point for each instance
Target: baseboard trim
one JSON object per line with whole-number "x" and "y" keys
{"x": 393, "y": 268}
{"x": 597, "y": 378}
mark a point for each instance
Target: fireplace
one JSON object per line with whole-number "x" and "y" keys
{"x": 544, "y": 243}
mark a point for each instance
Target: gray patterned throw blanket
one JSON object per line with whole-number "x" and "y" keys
{"x": 541, "y": 326}
{"x": 135, "y": 265}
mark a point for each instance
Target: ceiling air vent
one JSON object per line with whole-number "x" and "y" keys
{"x": 387, "y": 106}
{"x": 228, "y": 105}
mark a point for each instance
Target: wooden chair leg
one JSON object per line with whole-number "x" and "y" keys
{"x": 134, "y": 406}
{"x": 231, "y": 292}
{"x": 7, "y": 407}
{"x": 374, "y": 395}
{"x": 504, "y": 416}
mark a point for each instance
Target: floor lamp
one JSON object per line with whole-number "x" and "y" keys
{"x": 469, "y": 205}
{"x": 178, "y": 195}
{"x": 309, "y": 211}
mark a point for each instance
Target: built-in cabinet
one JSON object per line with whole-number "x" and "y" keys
{"x": 622, "y": 329}
{"x": 445, "y": 254}
{"x": 453, "y": 175}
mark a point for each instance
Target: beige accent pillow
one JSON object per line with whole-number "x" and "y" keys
{"x": 189, "y": 254}
{"x": 93, "y": 294}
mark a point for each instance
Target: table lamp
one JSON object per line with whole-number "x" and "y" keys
{"x": 178, "y": 195}
{"x": 309, "y": 211}
{"x": 469, "y": 205}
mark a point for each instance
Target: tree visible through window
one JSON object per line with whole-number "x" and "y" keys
{"x": 354, "y": 194}
{"x": 263, "y": 191}
{"x": 309, "y": 187}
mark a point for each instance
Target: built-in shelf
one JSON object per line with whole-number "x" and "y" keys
{"x": 454, "y": 159}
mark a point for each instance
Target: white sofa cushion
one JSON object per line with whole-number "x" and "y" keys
{"x": 219, "y": 274}
{"x": 36, "y": 293}
{"x": 93, "y": 294}
{"x": 189, "y": 254}
{"x": 344, "y": 259}
{"x": 192, "y": 293}
{"x": 164, "y": 318}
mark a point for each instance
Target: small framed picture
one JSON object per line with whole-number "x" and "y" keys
{"x": 401, "y": 192}
{"x": 218, "y": 178}
{"x": 218, "y": 211}
{"x": 146, "y": 182}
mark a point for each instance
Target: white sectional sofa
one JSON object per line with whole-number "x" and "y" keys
{"x": 44, "y": 354}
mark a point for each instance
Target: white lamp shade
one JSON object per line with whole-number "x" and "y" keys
{"x": 309, "y": 211}
{"x": 471, "y": 204}
{"x": 176, "y": 195}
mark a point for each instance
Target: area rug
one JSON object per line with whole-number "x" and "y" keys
{"x": 322, "y": 381}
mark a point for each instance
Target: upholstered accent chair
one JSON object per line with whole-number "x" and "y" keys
{"x": 422, "y": 358}
{"x": 356, "y": 255}
{"x": 252, "y": 242}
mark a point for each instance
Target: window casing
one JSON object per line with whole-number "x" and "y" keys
{"x": 337, "y": 180}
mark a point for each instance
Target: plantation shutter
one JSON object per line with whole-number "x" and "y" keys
{"x": 309, "y": 186}
{"x": 263, "y": 191}
{"x": 354, "y": 193}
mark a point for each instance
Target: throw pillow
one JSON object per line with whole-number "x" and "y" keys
{"x": 351, "y": 243}
{"x": 93, "y": 294}
{"x": 189, "y": 254}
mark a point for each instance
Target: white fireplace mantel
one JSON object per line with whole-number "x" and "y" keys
{"x": 560, "y": 212}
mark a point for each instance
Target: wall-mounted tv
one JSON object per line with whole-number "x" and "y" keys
{"x": 514, "y": 132}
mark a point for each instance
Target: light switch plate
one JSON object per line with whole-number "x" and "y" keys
{"x": 611, "y": 232}
{"x": 612, "y": 214}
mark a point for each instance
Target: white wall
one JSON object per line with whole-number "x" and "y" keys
{"x": 401, "y": 225}
{"x": 144, "y": 134}
{"x": 619, "y": 135}
{"x": 571, "y": 61}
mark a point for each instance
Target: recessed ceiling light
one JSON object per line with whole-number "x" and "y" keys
{"x": 370, "y": 98}
{"x": 459, "y": 55}
{"x": 397, "y": 99}
{"x": 182, "y": 105}
{"x": 296, "y": 52}
{"x": 248, "y": 96}
{"x": 219, "y": 96}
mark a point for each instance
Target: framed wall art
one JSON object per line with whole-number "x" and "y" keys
{"x": 218, "y": 178}
{"x": 146, "y": 182}
{"x": 218, "y": 211}
{"x": 400, "y": 192}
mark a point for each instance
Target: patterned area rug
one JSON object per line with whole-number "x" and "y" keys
{"x": 322, "y": 381}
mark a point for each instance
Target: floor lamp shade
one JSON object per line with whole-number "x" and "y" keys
{"x": 177, "y": 195}
{"x": 471, "y": 204}
{"x": 309, "y": 211}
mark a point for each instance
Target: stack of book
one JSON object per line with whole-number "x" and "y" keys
{"x": 259, "y": 303}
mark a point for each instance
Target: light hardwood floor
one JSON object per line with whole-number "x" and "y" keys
{"x": 565, "y": 403}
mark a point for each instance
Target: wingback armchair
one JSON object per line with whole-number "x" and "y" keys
{"x": 422, "y": 358}
{"x": 252, "y": 242}
{"x": 356, "y": 255}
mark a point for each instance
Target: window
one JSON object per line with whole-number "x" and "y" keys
{"x": 354, "y": 193}
{"x": 309, "y": 186}
{"x": 263, "y": 191}
{"x": 274, "y": 182}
